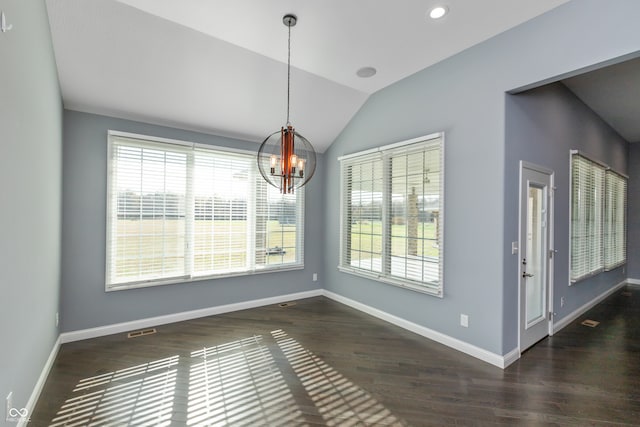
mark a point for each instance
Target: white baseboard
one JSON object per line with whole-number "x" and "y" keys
{"x": 470, "y": 349}
{"x": 511, "y": 357}
{"x": 565, "y": 321}
{"x": 479, "y": 353}
{"x": 501, "y": 361}
{"x": 179, "y": 317}
{"x": 35, "y": 394}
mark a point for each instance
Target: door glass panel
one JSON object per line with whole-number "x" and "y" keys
{"x": 536, "y": 256}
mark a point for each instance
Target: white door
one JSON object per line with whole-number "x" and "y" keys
{"x": 535, "y": 255}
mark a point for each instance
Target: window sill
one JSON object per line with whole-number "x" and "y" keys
{"x": 405, "y": 284}
{"x": 185, "y": 279}
{"x": 585, "y": 276}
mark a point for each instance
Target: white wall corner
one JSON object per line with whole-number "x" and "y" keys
{"x": 511, "y": 357}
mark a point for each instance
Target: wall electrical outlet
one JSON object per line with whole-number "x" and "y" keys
{"x": 464, "y": 320}
{"x": 315, "y": 277}
{"x": 561, "y": 301}
{"x": 57, "y": 319}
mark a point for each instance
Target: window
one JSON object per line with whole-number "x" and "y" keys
{"x": 615, "y": 224}
{"x": 598, "y": 222}
{"x": 587, "y": 211}
{"x": 392, "y": 210}
{"x": 180, "y": 211}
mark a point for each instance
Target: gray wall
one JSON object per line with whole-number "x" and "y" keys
{"x": 542, "y": 126}
{"x": 30, "y": 168}
{"x": 465, "y": 97}
{"x": 85, "y": 303}
{"x": 633, "y": 211}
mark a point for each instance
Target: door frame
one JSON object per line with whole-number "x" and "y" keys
{"x": 550, "y": 245}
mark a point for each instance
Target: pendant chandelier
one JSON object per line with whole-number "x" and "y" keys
{"x": 286, "y": 159}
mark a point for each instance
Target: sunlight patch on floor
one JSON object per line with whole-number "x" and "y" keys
{"x": 239, "y": 383}
{"x": 246, "y": 382}
{"x": 339, "y": 401}
{"x": 141, "y": 395}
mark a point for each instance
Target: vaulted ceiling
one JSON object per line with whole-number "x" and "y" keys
{"x": 613, "y": 92}
{"x": 219, "y": 66}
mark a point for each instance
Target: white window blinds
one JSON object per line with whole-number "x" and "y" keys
{"x": 362, "y": 201}
{"x": 587, "y": 211}
{"x": 147, "y": 207}
{"x": 598, "y": 221}
{"x": 615, "y": 224}
{"x": 179, "y": 211}
{"x": 392, "y": 210}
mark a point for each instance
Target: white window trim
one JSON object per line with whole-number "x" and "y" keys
{"x": 298, "y": 265}
{"x": 402, "y": 283}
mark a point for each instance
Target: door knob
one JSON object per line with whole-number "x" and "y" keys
{"x": 525, "y": 274}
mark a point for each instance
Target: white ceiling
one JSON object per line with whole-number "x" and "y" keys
{"x": 219, "y": 66}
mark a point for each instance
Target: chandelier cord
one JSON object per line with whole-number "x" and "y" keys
{"x": 284, "y": 163}
{"x": 288, "y": 73}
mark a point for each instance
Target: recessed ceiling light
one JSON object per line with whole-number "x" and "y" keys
{"x": 438, "y": 12}
{"x": 365, "y": 72}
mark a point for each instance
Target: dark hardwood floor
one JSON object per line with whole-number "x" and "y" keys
{"x": 322, "y": 363}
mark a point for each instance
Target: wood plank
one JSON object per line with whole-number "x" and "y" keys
{"x": 322, "y": 363}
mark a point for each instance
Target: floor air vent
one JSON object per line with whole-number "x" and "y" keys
{"x": 141, "y": 333}
{"x": 590, "y": 323}
{"x": 287, "y": 304}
